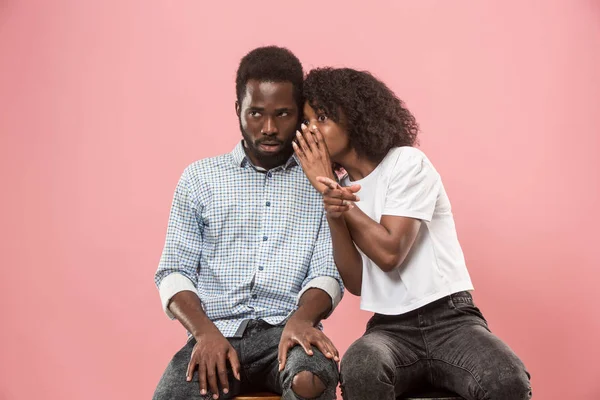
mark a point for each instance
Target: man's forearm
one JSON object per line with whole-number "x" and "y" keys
{"x": 186, "y": 307}
{"x": 314, "y": 305}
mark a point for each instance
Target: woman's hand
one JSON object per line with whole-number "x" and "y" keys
{"x": 334, "y": 197}
{"x": 311, "y": 150}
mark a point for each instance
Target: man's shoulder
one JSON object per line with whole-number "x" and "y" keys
{"x": 207, "y": 167}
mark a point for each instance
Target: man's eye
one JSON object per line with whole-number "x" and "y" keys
{"x": 284, "y": 114}
{"x": 254, "y": 114}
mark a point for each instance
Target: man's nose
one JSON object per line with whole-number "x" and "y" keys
{"x": 269, "y": 127}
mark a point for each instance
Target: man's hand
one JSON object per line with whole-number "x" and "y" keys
{"x": 303, "y": 333}
{"x": 210, "y": 355}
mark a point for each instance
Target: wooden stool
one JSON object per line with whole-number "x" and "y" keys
{"x": 258, "y": 396}
{"x": 431, "y": 395}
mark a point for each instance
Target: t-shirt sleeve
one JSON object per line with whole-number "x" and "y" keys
{"x": 413, "y": 188}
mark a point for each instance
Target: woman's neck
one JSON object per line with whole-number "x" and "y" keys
{"x": 356, "y": 167}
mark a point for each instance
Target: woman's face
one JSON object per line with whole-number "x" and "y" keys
{"x": 334, "y": 134}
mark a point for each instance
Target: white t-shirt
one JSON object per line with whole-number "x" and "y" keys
{"x": 406, "y": 184}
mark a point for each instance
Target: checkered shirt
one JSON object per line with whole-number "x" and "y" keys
{"x": 248, "y": 241}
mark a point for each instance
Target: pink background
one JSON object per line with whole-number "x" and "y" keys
{"x": 103, "y": 103}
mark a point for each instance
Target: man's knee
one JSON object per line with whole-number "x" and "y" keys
{"x": 307, "y": 385}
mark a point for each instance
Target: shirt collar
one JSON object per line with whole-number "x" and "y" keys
{"x": 240, "y": 159}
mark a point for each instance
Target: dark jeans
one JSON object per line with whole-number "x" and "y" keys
{"x": 257, "y": 352}
{"x": 445, "y": 344}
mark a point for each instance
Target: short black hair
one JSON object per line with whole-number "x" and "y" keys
{"x": 374, "y": 117}
{"x": 270, "y": 64}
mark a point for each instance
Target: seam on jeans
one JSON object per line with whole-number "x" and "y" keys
{"x": 466, "y": 370}
{"x": 398, "y": 367}
{"x": 244, "y": 368}
{"x": 409, "y": 364}
{"x": 426, "y": 351}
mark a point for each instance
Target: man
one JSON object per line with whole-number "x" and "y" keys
{"x": 247, "y": 266}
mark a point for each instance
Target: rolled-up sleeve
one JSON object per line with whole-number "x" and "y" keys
{"x": 322, "y": 273}
{"x": 178, "y": 267}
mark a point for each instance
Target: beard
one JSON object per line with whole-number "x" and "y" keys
{"x": 264, "y": 159}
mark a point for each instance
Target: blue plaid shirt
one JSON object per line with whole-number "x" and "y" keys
{"x": 249, "y": 241}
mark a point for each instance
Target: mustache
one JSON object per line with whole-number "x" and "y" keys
{"x": 268, "y": 141}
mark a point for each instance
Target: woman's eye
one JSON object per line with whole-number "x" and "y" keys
{"x": 322, "y": 118}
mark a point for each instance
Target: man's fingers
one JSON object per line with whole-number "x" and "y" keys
{"x": 324, "y": 348}
{"x": 202, "y": 378}
{"x": 284, "y": 346}
{"x": 332, "y": 349}
{"x": 189, "y": 374}
{"x": 306, "y": 346}
{"x": 222, "y": 372}
{"x": 234, "y": 361}
{"x": 211, "y": 375}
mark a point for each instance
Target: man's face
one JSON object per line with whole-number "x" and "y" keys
{"x": 268, "y": 120}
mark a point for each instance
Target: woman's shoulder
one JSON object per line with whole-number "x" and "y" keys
{"x": 406, "y": 152}
{"x": 403, "y": 157}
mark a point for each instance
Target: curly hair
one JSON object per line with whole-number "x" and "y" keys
{"x": 270, "y": 64}
{"x": 374, "y": 118}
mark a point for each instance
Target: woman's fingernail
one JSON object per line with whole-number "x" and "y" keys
{"x": 314, "y": 127}
{"x": 303, "y": 126}
{"x": 225, "y": 391}
{"x": 203, "y": 391}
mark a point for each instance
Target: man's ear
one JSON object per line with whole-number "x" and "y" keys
{"x": 238, "y": 109}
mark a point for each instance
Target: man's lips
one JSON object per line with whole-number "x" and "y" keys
{"x": 269, "y": 146}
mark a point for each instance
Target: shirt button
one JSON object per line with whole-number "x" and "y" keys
{"x": 265, "y": 238}
{"x": 261, "y": 268}
{"x": 269, "y": 175}
{"x": 254, "y": 296}
{"x": 268, "y": 204}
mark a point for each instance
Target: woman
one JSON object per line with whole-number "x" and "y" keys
{"x": 397, "y": 248}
